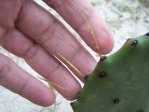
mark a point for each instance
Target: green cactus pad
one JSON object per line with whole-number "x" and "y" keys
{"x": 120, "y": 82}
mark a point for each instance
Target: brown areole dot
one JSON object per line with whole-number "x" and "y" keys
{"x": 134, "y": 43}
{"x": 102, "y": 74}
{"x": 116, "y": 101}
{"x": 72, "y": 103}
{"x": 103, "y": 58}
{"x": 147, "y": 34}
{"x": 85, "y": 78}
{"x": 77, "y": 96}
{"x": 140, "y": 111}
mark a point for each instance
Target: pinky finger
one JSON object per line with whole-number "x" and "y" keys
{"x": 17, "y": 80}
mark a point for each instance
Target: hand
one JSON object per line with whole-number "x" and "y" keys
{"x": 32, "y": 33}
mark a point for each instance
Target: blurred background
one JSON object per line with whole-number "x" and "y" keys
{"x": 125, "y": 18}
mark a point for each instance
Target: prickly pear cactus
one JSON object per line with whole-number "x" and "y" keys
{"x": 120, "y": 82}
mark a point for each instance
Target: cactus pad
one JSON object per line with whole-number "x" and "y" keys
{"x": 120, "y": 82}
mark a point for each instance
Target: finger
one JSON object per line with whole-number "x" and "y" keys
{"x": 72, "y": 10}
{"x": 41, "y": 61}
{"x": 44, "y": 28}
{"x": 20, "y": 82}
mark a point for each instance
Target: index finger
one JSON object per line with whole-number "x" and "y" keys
{"x": 71, "y": 11}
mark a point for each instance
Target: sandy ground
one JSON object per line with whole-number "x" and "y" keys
{"x": 126, "y": 19}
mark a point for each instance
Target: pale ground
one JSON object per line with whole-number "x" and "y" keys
{"x": 126, "y": 18}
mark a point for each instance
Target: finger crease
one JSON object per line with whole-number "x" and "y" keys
{"x": 2, "y": 76}
{"x": 22, "y": 88}
{"x": 19, "y": 14}
{"x": 52, "y": 72}
{"x": 76, "y": 54}
{"x": 30, "y": 52}
{"x": 4, "y": 70}
{"x": 50, "y": 30}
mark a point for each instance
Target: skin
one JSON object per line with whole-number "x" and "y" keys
{"x": 32, "y": 33}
